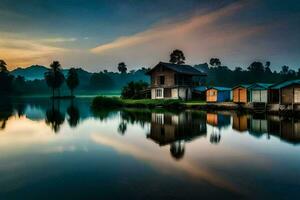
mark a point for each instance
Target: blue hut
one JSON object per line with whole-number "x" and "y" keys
{"x": 218, "y": 94}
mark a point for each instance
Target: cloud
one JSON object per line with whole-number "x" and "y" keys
{"x": 59, "y": 40}
{"x": 21, "y": 52}
{"x": 201, "y": 36}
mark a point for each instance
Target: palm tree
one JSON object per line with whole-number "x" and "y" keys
{"x": 54, "y": 77}
{"x": 72, "y": 80}
{"x": 122, "y": 67}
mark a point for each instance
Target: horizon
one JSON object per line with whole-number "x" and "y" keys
{"x": 104, "y": 33}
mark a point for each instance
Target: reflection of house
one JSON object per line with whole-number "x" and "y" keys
{"x": 167, "y": 128}
{"x": 258, "y": 126}
{"x": 240, "y": 122}
{"x": 259, "y": 92}
{"x": 287, "y": 129}
{"x": 218, "y": 120}
{"x": 218, "y": 94}
{"x": 172, "y": 81}
{"x": 240, "y": 94}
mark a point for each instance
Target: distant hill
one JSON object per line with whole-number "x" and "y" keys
{"x": 37, "y": 72}
{"x": 30, "y": 73}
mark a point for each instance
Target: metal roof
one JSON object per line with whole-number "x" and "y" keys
{"x": 200, "y": 88}
{"x": 242, "y": 85}
{"x": 260, "y": 86}
{"x": 182, "y": 69}
{"x": 285, "y": 84}
{"x": 220, "y": 88}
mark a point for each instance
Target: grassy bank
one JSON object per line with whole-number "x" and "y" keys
{"x": 115, "y": 102}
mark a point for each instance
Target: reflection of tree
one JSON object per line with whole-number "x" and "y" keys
{"x": 74, "y": 115}
{"x": 20, "y": 109}
{"x": 177, "y": 150}
{"x": 215, "y": 138}
{"x": 136, "y": 116}
{"x": 54, "y": 118}
{"x": 6, "y": 110}
{"x": 122, "y": 127}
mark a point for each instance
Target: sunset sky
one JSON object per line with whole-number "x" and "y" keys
{"x": 98, "y": 34}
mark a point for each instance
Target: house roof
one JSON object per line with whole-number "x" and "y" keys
{"x": 285, "y": 84}
{"x": 220, "y": 88}
{"x": 182, "y": 69}
{"x": 242, "y": 85}
{"x": 260, "y": 86}
{"x": 200, "y": 88}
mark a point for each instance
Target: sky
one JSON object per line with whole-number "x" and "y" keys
{"x": 98, "y": 34}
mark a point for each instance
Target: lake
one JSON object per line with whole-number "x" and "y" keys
{"x": 64, "y": 150}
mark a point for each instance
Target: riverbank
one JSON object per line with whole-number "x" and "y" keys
{"x": 101, "y": 102}
{"x": 115, "y": 102}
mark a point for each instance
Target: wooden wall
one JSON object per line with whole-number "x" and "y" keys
{"x": 168, "y": 74}
{"x": 211, "y": 95}
{"x": 240, "y": 95}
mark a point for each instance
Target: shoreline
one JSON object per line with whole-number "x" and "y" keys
{"x": 101, "y": 102}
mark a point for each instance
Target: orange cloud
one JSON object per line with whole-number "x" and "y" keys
{"x": 21, "y": 52}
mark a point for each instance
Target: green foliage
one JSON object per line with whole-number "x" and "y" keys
{"x": 177, "y": 57}
{"x": 72, "y": 80}
{"x": 134, "y": 90}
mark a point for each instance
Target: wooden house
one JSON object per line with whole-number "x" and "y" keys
{"x": 172, "y": 81}
{"x": 240, "y": 94}
{"x": 285, "y": 93}
{"x": 259, "y": 92}
{"x": 218, "y": 94}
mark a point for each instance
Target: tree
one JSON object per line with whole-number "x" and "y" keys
{"x": 215, "y": 62}
{"x": 267, "y": 67}
{"x": 72, "y": 80}
{"x": 238, "y": 69}
{"x": 54, "y": 77}
{"x": 256, "y": 67}
{"x": 122, "y": 67}
{"x": 284, "y": 70}
{"x": 177, "y": 57}
{"x": 3, "y": 66}
{"x": 6, "y": 80}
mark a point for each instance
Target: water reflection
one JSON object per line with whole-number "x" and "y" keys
{"x": 191, "y": 148}
{"x": 176, "y": 129}
{"x": 218, "y": 121}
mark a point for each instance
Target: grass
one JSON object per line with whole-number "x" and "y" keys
{"x": 113, "y": 102}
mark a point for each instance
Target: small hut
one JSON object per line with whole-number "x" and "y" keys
{"x": 241, "y": 94}
{"x": 285, "y": 93}
{"x": 218, "y": 94}
{"x": 259, "y": 92}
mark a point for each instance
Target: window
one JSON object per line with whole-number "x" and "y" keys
{"x": 162, "y": 80}
{"x": 158, "y": 93}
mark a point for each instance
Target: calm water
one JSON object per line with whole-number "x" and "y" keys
{"x": 66, "y": 151}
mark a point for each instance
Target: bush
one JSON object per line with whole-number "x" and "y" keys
{"x": 106, "y": 102}
{"x": 135, "y": 90}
